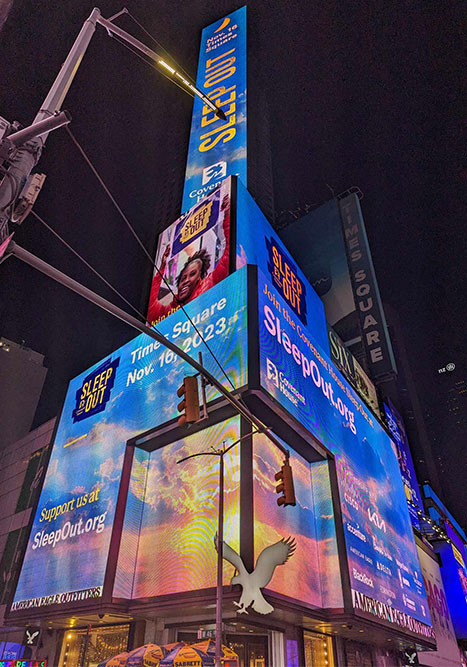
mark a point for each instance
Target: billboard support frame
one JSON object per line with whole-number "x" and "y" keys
{"x": 340, "y": 536}
{"x": 115, "y": 539}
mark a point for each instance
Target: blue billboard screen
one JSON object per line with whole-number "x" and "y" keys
{"x": 217, "y": 148}
{"x": 404, "y": 456}
{"x": 454, "y": 574}
{"x": 381, "y": 551}
{"x": 193, "y": 254}
{"x": 171, "y": 516}
{"x": 130, "y": 392}
{"x": 258, "y": 243}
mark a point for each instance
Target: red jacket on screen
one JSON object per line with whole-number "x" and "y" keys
{"x": 157, "y": 310}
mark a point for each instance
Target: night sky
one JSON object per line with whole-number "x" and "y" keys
{"x": 366, "y": 94}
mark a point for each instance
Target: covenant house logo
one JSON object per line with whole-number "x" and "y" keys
{"x": 283, "y": 384}
{"x": 216, "y": 171}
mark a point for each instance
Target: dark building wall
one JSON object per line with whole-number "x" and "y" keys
{"x": 403, "y": 392}
{"x": 447, "y": 420}
{"x": 22, "y": 376}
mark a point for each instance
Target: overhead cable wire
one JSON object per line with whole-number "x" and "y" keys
{"x": 255, "y": 428}
{"x": 169, "y": 57}
{"x": 101, "y": 277}
{"x": 148, "y": 256}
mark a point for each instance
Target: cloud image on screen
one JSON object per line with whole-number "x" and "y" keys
{"x": 312, "y": 574}
{"x": 176, "y": 506}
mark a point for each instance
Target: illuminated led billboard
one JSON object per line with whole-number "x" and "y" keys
{"x": 192, "y": 254}
{"x": 343, "y": 358}
{"x": 447, "y": 651}
{"x": 131, "y": 391}
{"x": 257, "y": 243}
{"x": 404, "y": 456}
{"x": 381, "y": 552}
{"x": 312, "y": 575}
{"x": 454, "y": 573}
{"x": 217, "y": 147}
{"x": 171, "y": 516}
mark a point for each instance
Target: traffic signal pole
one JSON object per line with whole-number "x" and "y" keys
{"x": 221, "y": 452}
{"x": 13, "y": 249}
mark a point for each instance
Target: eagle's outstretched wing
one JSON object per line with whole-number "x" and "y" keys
{"x": 231, "y": 556}
{"x": 270, "y": 558}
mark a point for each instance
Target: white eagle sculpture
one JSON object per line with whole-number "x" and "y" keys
{"x": 272, "y": 556}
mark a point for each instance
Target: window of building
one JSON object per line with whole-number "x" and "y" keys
{"x": 318, "y": 650}
{"x": 94, "y": 644}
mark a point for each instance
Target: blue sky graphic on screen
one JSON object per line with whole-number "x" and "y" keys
{"x": 66, "y": 556}
{"x": 217, "y": 148}
{"x": 258, "y": 243}
{"x": 382, "y": 556}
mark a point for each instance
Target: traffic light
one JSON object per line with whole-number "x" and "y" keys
{"x": 189, "y": 406}
{"x": 284, "y": 476}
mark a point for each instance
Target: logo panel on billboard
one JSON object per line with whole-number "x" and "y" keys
{"x": 94, "y": 393}
{"x": 217, "y": 148}
{"x": 284, "y": 275}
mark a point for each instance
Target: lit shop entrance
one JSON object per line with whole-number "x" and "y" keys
{"x": 89, "y": 647}
{"x": 252, "y": 649}
{"x": 318, "y": 650}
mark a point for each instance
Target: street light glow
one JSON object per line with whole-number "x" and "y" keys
{"x": 164, "y": 64}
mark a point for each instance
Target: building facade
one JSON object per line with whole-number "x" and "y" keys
{"x": 22, "y": 376}
{"x": 123, "y": 534}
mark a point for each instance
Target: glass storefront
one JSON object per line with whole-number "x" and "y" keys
{"x": 252, "y": 649}
{"x": 88, "y": 647}
{"x": 318, "y": 650}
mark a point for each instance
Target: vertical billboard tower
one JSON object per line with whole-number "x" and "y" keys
{"x": 217, "y": 148}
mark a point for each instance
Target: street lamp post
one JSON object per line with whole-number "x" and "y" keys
{"x": 32, "y": 140}
{"x": 220, "y": 538}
